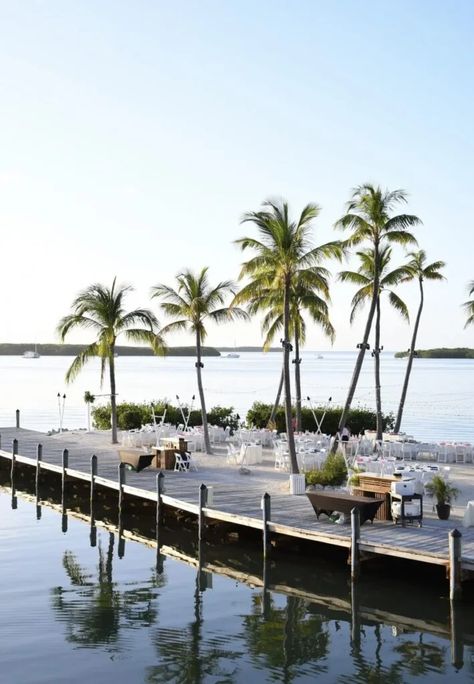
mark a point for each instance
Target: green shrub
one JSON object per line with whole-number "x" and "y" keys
{"x": 131, "y": 416}
{"x": 333, "y": 473}
{"x": 359, "y": 419}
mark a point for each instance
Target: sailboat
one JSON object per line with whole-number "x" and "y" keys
{"x": 232, "y": 355}
{"x": 31, "y": 354}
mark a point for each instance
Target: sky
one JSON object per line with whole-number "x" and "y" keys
{"x": 134, "y": 136}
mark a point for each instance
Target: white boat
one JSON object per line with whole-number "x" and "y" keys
{"x": 31, "y": 355}
{"x": 319, "y": 356}
{"x": 232, "y": 355}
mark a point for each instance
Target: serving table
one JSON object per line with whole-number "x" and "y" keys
{"x": 378, "y": 487}
{"x": 328, "y": 502}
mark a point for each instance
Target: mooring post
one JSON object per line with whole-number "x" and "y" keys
{"x": 65, "y": 463}
{"x": 355, "y": 537}
{"x": 121, "y": 482}
{"x": 455, "y": 546}
{"x": 202, "y": 504}
{"x": 93, "y": 476}
{"x": 159, "y": 503}
{"x": 266, "y": 514}
{"x": 0, "y": 441}
{"x": 14, "y": 455}
{"x": 17, "y": 419}
{"x": 39, "y": 457}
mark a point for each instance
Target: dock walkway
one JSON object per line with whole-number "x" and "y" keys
{"x": 239, "y": 503}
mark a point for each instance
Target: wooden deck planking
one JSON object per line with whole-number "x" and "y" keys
{"x": 292, "y": 516}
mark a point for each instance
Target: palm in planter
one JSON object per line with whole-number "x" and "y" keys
{"x": 444, "y": 493}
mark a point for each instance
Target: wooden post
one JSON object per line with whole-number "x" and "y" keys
{"x": 14, "y": 455}
{"x": 17, "y": 419}
{"x": 266, "y": 514}
{"x": 455, "y": 545}
{"x": 355, "y": 537}
{"x": 159, "y": 520}
{"x": 93, "y": 530}
{"x": 0, "y": 441}
{"x": 39, "y": 457}
{"x": 202, "y": 504}
{"x": 121, "y": 481}
{"x": 93, "y": 476}
{"x": 65, "y": 463}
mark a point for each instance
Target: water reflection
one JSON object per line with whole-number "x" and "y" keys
{"x": 95, "y": 609}
{"x": 297, "y": 621}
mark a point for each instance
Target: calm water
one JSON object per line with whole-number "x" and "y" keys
{"x": 440, "y": 401}
{"x": 76, "y": 613}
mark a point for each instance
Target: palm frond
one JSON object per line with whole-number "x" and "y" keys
{"x": 80, "y": 361}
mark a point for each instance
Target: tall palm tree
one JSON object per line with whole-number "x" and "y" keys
{"x": 417, "y": 269}
{"x": 304, "y": 299}
{"x": 100, "y": 309}
{"x": 370, "y": 220}
{"x": 364, "y": 278}
{"x": 193, "y": 303}
{"x": 469, "y": 306}
{"x": 283, "y": 254}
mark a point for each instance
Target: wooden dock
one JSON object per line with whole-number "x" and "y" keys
{"x": 290, "y": 516}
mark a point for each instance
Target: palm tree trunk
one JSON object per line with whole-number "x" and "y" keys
{"x": 277, "y": 400}
{"x": 297, "y": 362}
{"x": 362, "y": 348}
{"x": 205, "y": 429}
{"x": 411, "y": 354}
{"x": 378, "y": 398}
{"x": 113, "y": 397}
{"x": 286, "y": 371}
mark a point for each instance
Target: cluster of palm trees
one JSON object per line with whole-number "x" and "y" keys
{"x": 286, "y": 281}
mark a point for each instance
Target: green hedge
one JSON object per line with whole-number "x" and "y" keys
{"x": 131, "y": 416}
{"x": 333, "y": 472}
{"x": 359, "y": 419}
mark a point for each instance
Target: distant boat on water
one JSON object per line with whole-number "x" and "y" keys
{"x": 31, "y": 354}
{"x": 319, "y": 356}
{"x": 232, "y": 355}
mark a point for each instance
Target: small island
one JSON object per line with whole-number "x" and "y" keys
{"x": 441, "y": 353}
{"x": 18, "y": 349}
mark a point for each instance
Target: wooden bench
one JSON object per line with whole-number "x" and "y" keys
{"x": 328, "y": 502}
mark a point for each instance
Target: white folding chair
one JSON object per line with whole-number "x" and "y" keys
{"x": 180, "y": 464}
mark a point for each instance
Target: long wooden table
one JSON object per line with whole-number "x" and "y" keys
{"x": 328, "y": 502}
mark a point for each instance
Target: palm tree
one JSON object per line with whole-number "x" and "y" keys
{"x": 469, "y": 306}
{"x": 364, "y": 278}
{"x": 191, "y": 304}
{"x": 100, "y": 309}
{"x": 283, "y": 254}
{"x": 417, "y": 269}
{"x": 304, "y": 298}
{"x": 369, "y": 219}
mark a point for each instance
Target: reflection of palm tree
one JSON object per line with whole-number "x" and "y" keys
{"x": 286, "y": 638}
{"x": 102, "y": 609}
{"x": 189, "y": 657}
{"x": 420, "y": 657}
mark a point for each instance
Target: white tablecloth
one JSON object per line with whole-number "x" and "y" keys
{"x": 250, "y": 454}
{"x": 468, "y": 520}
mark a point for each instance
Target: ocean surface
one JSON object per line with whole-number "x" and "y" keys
{"x": 439, "y": 406}
{"x": 75, "y": 613}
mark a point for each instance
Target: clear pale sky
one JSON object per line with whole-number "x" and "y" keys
{"x": 135, "y": 134}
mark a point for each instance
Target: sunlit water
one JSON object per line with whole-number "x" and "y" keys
{"x": 440, "y": 402}
{"x": 76, "y": 613}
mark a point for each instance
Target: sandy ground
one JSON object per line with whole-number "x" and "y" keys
{"x": 214, "y": 468}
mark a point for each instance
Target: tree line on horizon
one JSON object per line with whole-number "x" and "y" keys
{"x": 286, "y": 281}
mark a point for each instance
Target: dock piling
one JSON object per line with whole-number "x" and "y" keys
{"x": 93, "y": 530}
{"x": 121, "y": 482}
{"x": 17, "y": 419}
{"x": 455, "y": 550}
{"x": 355, "y": 537}
{"x": 266, "y": 514}
{"x": 202, "y": 504}
{"x": 14, "y": 455}
{"x": 159, "y": 520}
{"x": 65, "y": 464}
{"x": 39, "y": 457}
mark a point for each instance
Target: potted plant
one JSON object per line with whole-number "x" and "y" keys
{"x": 444, "y": 493}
